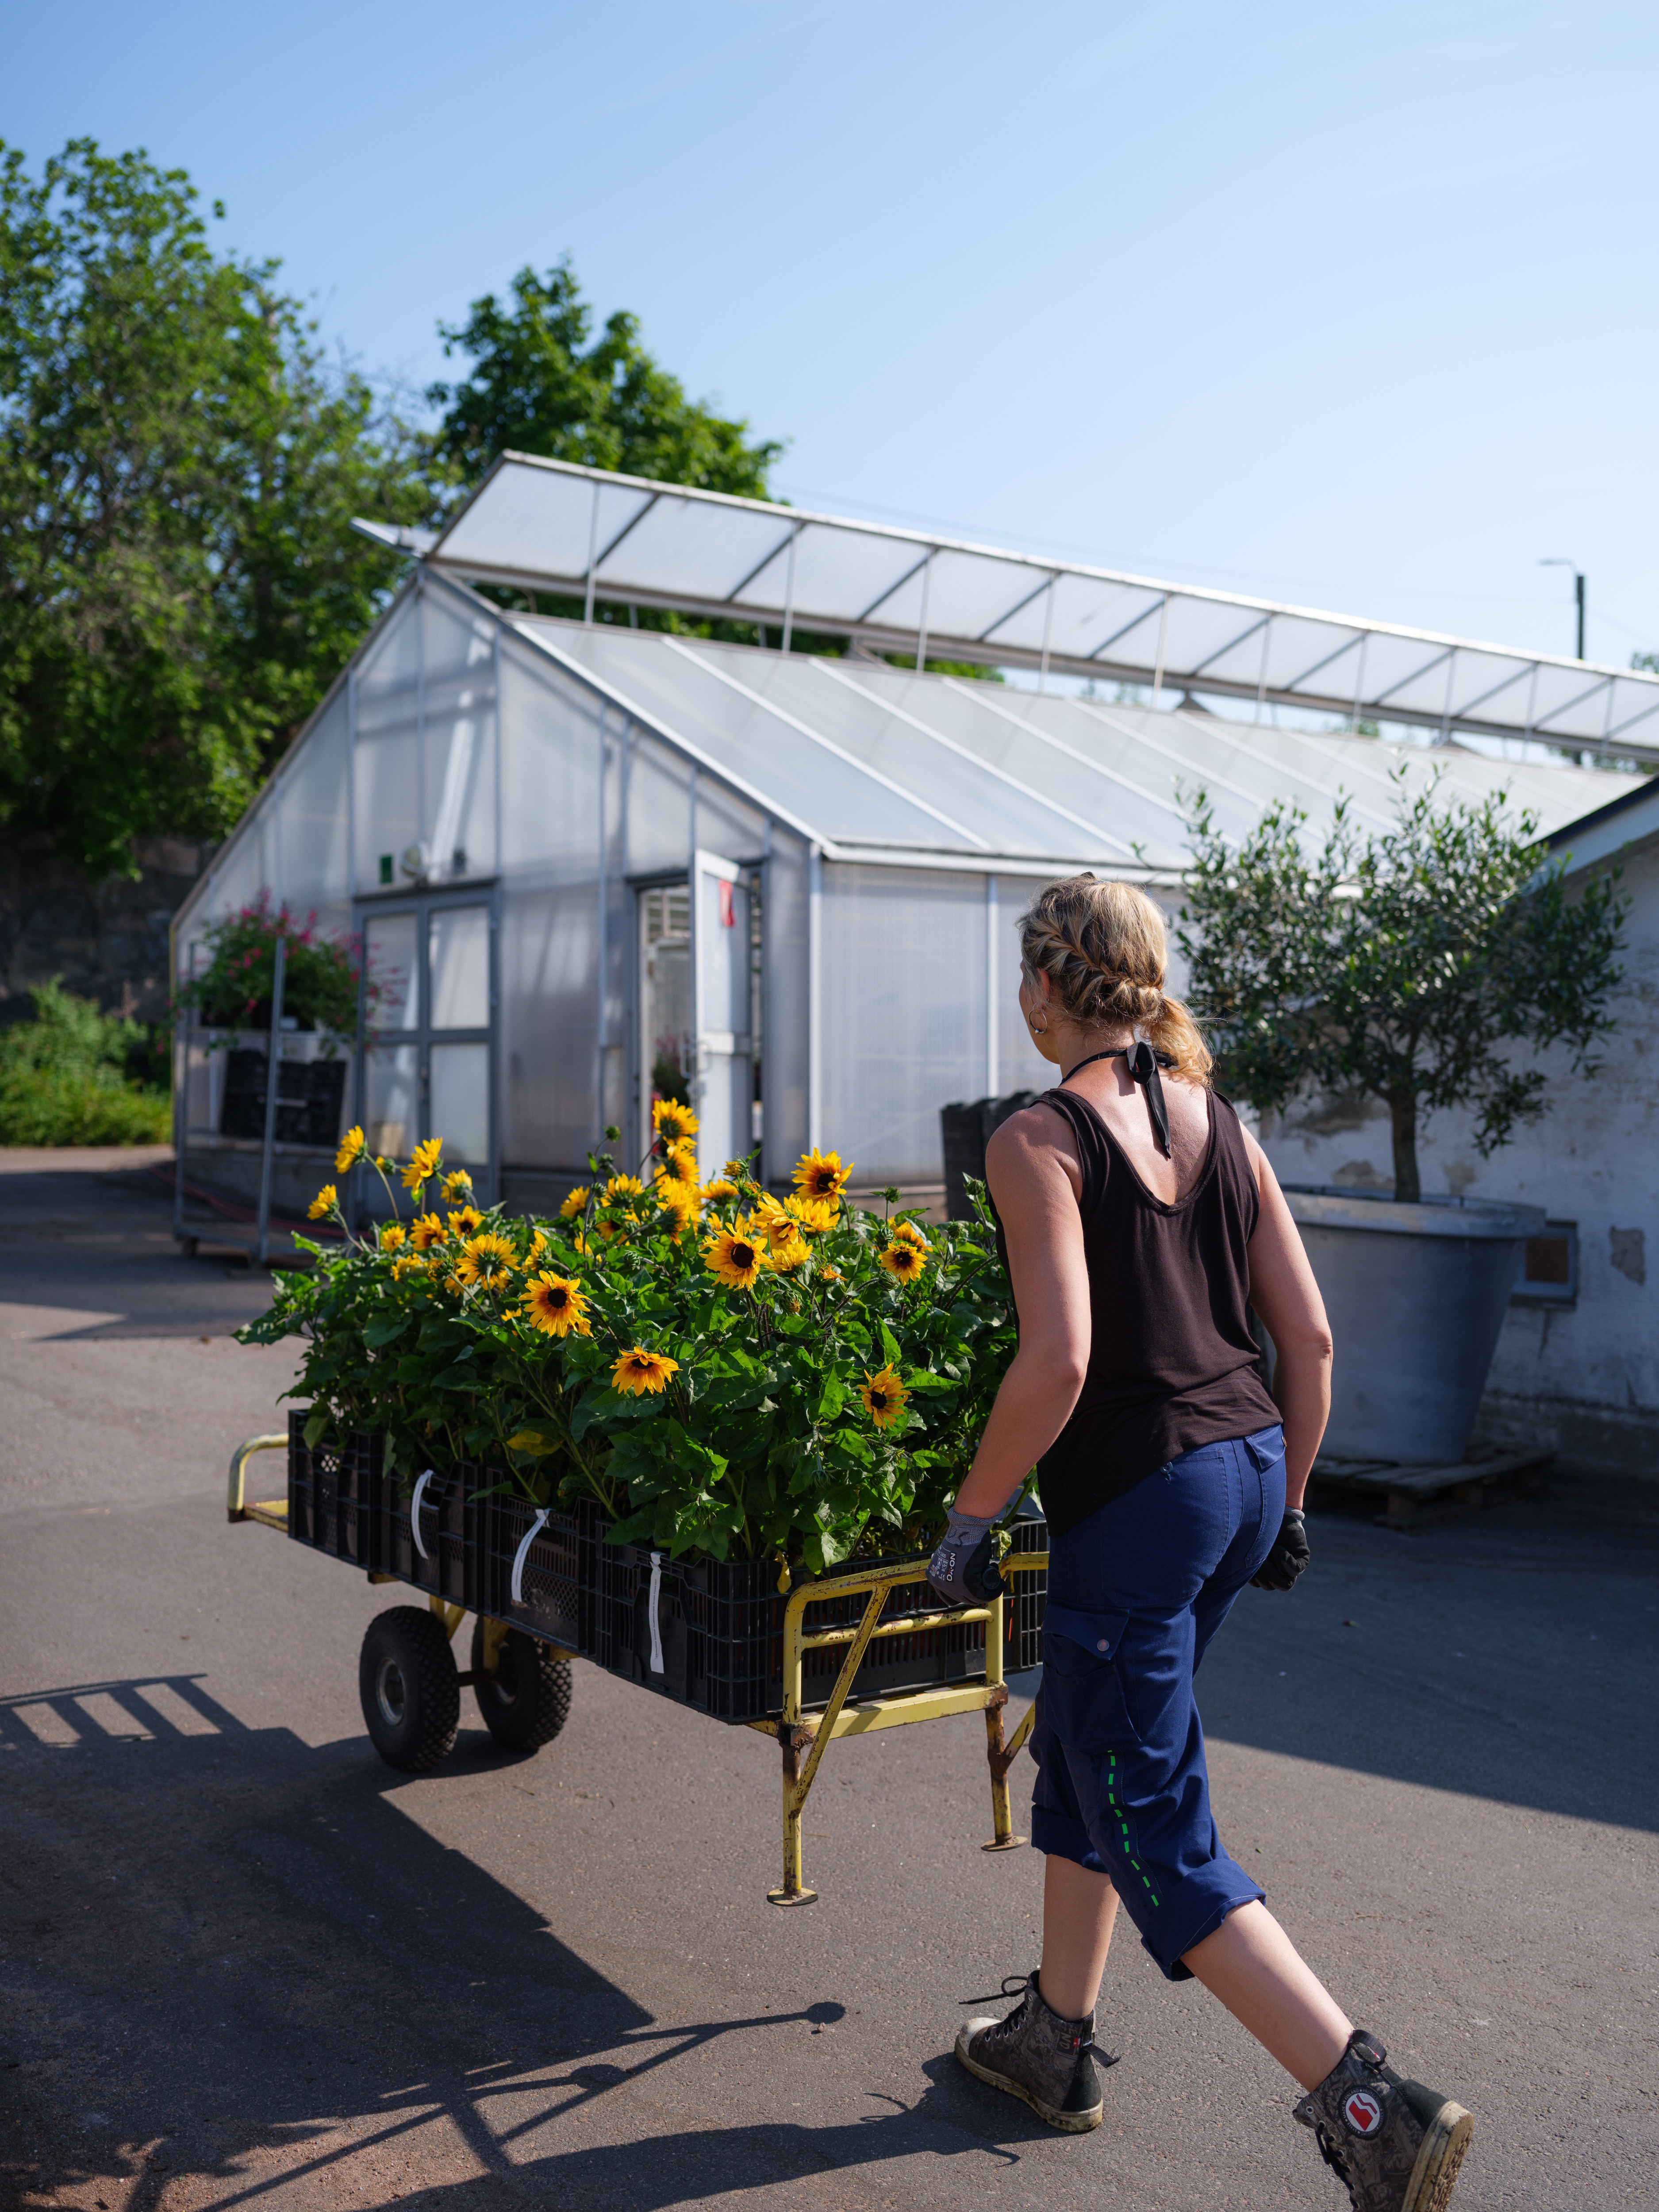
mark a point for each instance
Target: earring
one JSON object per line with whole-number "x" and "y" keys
{"x": 1033, "y": 1027}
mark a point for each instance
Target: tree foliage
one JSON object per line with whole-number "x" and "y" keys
{"x": 1403, "y": 965}
{"x": 179, "y": 580}
{"x": 541, "y": 383}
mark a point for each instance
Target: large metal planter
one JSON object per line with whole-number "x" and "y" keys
{"x": 1416, "y": 1295}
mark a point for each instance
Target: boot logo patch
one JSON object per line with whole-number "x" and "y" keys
{"x": 1362, "y": 2112}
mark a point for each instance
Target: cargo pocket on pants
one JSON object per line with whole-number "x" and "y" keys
{"x": 1082, "y": 1690}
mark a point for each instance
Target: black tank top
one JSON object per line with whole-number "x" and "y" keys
{"x": 1172, "y": 1362}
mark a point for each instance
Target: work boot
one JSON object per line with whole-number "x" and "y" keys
{"x": 1397, "y": 2145}
{"x": 1036, "y": 2056}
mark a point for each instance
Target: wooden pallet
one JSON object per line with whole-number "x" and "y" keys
{"x": 1418, "y": 1495}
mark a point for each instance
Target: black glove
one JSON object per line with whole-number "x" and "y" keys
{"x": 963, "y": 1571}
{"x": 1288, "y": 1557}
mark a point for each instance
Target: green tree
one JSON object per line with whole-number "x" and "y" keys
{"x": 541, "y": 383}
{"x": 179, "y": 579}
{"x": 1401, "y": 965}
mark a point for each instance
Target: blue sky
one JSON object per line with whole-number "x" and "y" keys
{"x": 1349, "y": 305}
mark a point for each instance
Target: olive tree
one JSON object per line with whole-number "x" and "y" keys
{"x": 1424, "y": 966}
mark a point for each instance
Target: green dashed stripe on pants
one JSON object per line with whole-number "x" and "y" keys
{"x": 1116, "y": 1812}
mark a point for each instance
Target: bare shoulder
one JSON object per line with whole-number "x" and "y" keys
{"x": 1261, "y": 1166}
{"x": 1036, "y": 1142}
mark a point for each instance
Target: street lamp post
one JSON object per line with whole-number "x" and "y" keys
{"x": 1578, "y": 592}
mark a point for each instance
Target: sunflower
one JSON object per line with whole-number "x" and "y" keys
{"x": 455, "y": 1282}
{"x": 392, "y": 1235}
{"x": 904, "y": 1261}
{"x": 680, "y": 1161}
{"x": 786, "y": 1247}
{"x": 677, "y": 1199}
{"x": 406, "y": 1263}
{"x": 573, "y": 1202}
{"x": 719, "y": 1191}
{"x": 818, "y": 1216}
{"x": 424, "y": 1165}
{"x": 673, "y": 1122}
{"x": 427, "y": 1232}
{"x": 621, "y": 1188}
{"x": 557, "y": 1305}
{"x": 457, "y": 1184}
{"x": 829, "y": 1275}
{"x": 736, "y": 1255}
{"x": 537, "y": 1246}
{"x": 638, "y": 1372}
{"x": 352, "y": 1147}
{"x": 908, "y": 1233}
{"x": 325, "y": 1202}
{"x": 821, "y": 1175}
{"x": 466, "y": 1220}
{"x": 487, "y": 1260}
{"x": 883, "y": 1397}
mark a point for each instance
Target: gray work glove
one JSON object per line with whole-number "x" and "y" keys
{"x": 1288, "y": 1557}
{"x": 963, "y": 1571}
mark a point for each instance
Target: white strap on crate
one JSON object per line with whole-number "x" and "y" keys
{"x": 652, "y": 1603}
{"x": 415, "y": 1512}
{"x": 523, "y": 1553}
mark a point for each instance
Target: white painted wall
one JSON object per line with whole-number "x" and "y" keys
{"x": 1584, "y": 1380}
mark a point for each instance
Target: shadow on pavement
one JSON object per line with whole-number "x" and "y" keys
{"x": 1512, "y": 1656}
{"x": 230, "y": 1957}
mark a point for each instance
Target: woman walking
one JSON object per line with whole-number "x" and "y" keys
{"x": 1141, "y": 1223}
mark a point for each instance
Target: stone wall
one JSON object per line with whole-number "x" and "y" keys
{"x": 107, "y": 941}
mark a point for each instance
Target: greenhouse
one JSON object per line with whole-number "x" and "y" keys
{"x": 591, "y": 864}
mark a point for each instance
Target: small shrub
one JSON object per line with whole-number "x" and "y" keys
{"x": 67, "y": 1076}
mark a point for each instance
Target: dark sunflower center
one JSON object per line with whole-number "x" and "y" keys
{"x": 742, "y": 1256}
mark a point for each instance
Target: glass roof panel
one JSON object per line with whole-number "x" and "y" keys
{"x": 674, "y": 538}
{"x": 535, "y": 518}
{"x": 526, "y": 520}
{"x": 827, "y": 793}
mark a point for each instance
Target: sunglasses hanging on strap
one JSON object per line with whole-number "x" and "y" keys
{"x": 1143, "y": 1064}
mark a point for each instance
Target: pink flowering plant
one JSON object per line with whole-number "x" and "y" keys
{"x": 321, "y": 972}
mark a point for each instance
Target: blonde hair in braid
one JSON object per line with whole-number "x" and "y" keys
{"x": 1104, "y": 946}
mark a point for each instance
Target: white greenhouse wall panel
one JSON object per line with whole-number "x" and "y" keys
{"x": 786, "y": 1031}
{"x": 904, "y": 1013}
{"x": 549, "y": 1016}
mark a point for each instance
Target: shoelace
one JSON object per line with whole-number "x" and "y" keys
{"x": 1020, "y": 1985}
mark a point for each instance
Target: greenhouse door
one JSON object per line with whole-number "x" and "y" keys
{"x": 723, "y": 1091}
{"x": 696, "y": 953}
{"x": 430, "y": 966}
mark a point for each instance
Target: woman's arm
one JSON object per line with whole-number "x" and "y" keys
{"x": 1034, "y": 1184}
{"x": 1284, "y": 1292}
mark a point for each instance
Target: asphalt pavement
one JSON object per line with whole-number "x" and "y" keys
{"x": 243, "y": 1963}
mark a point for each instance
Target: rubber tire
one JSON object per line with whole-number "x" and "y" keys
{"x": 526, "y": 1701}
{"x": 406, "y": 1660}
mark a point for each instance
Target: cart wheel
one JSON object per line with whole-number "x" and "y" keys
{"x": 526, "y": 1701}
{"x": 411, "y": 1696}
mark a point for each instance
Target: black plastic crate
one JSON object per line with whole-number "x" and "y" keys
{"x": 720, "y": 1630}
{"x": 558, "y": 1580}
{"x": 448, "y": 1561}
{"x": 333, "y": 1492}
{"x": 964, "y": 1132}
{"x": 309, "y": 1096}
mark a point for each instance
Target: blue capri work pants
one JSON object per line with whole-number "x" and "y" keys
{"x": 1135, "y": 1593}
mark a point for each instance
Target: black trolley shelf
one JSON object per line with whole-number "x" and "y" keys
{"x": 867, "y": 1649}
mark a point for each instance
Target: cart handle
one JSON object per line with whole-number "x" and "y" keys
{"x": 235, "y": 1509}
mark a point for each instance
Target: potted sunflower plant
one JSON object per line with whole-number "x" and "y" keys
{"x": 691, "y": 1392}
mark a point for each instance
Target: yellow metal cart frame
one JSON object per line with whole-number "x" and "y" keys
{"x": 798, "y": 1731}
